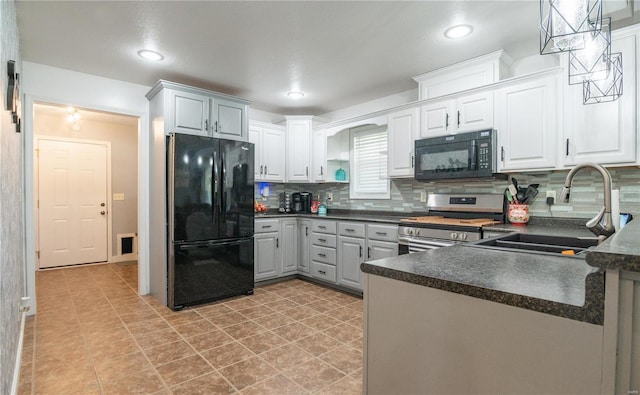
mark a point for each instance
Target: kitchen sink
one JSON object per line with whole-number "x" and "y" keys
{"x": 539, "y": 243}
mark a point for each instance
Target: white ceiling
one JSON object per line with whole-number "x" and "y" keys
{"x": 338, "y": 53}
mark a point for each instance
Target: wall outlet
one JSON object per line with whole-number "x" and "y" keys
{"x": 330, "y": 196}
{"x": 551, "y": 194}
{"x": 118, "y": 196}
{"x": 423, "y": 197}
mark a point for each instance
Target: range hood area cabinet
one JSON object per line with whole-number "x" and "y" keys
{"x": 191, "y": 110}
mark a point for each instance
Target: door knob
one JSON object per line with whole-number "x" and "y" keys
{"x": 102, "y": 212}
{"x": 102, "y": 204}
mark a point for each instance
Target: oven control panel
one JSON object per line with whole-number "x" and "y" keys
{"x": 444, "y": 234}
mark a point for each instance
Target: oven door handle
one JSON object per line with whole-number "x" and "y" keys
{"x": 473, "y": 165}
{"x": 419, "y": 244}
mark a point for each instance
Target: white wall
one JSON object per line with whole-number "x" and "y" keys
{"x": 48, "y": 84}
{"x": 11, "y": 208}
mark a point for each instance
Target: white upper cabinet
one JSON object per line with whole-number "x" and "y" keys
{"x": 299, "y": 149}
{"x": 319, "y": 160}
{"x": 269, "y": 143}
{"x": 230, "y": 119}
{"x": 465, "y": 114}
{"x": 402, "y": 132}
{"x": 527, "y": 124}
{"x": 604, "y": 133}
{"x": 190, "y": 113}
{"x": 191, "y": 110}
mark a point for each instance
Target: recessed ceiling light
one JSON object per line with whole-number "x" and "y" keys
{"x": 295, "y": 95}
{"x": 148, "y": 54}
{"x": 458, "y": 31}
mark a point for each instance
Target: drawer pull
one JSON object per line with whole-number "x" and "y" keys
{"x": 266, "y": 226}
{"x": 322, "y": 272}
{"x": 350, "y": 230}
{"x": 323, "y": 240}
{"x": 322, "y": 227}
{"x": 322, "y": 255}
{"x": 381, "y": 233}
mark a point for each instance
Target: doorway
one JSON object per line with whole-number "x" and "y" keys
{"x": 72, "y": 208}
{"x": 97, "y": 217}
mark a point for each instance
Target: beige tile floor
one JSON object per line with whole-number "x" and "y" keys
{"x": 94, "y": 335}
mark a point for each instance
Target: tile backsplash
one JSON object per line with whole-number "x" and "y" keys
{"x": 586, "y": 194}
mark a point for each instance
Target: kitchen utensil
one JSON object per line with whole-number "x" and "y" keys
{"x": 521, "y": 193}
{"x": 514, "y": 182}
{"x": 508, "y": 195}
{"x": 530, "y": 193}
{"x": 514, "y": 193}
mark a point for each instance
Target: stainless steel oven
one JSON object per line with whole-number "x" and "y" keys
{"x": 452, "y": 219}
{"x": 465, "y": 155}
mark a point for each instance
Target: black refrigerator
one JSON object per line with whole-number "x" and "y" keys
{"x": 210, "y": 186}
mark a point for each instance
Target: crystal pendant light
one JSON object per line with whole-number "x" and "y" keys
{"x": 607, "y": 89}
{"x": 592, "y": 62}
{"x": 563, "y": 23}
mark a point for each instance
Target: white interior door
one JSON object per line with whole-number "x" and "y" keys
{"x": 72, "y": 199}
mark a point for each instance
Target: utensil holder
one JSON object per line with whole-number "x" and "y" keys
{"x": 518, "y": 214}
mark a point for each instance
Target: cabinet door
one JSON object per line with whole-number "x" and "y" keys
{"x": 229, "y": 119}
{"x": 381, "y": 249}
{"x": 474, "y": 112}
{"x": 436, "y": 119}
{"x": 298, "y": 150}
{"x": 255, "y": 135}
{"x": 190, "y": 113}
{"x": 403, "y": 130}
{"x": 266, "y": 255}
{"x": 604, "y": 133}
{"x": 289, "y": 237}
{"x": 304, "y": 243}
{"x": 350, "y": 256}
{"x": 273, "y": 147}
{"x": 319, "y": 156}
{"x": 527, "y": 124}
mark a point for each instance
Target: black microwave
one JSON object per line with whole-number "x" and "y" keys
{"x": 464, "y": 155}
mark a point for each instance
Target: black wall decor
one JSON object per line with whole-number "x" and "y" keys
{"x": 13, "y": 93}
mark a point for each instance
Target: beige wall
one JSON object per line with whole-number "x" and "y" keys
{"x": 124, "y": 161}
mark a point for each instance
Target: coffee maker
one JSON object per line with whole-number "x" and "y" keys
{"x": 301, "y": 202}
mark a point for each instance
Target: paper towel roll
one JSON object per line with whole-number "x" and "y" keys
{"x": 615, "y": 208}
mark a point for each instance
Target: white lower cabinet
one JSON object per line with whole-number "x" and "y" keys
{"x": 381, "y": 249}
{"x": 304, "y": 247}
{"x": 323, "y": 250}
{"x": 289, "y": 235}
{"x": 351, "y": 255}
{"x": 266, "y": 255}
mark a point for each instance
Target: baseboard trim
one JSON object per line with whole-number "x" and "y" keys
{"x": 16, "y": 371}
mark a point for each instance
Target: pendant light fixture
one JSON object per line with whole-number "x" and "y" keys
{"x": 607, "y": 89}
{"x": 593, "y": 62}
{"x": 563, "y": 23}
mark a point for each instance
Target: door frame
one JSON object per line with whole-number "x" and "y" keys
{"x": 36, "y": 192}
{"x": 144, "y": 143}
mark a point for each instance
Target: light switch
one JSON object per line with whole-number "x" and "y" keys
{"x": 118, "y": 196}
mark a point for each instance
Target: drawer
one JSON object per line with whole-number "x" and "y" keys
{"x": 322, "y": 239}
{"x": 267, "y": 225}
{"x": 351, "y": 229}
{"x": 324, "y": 255}
{"x": 323, "y": 271}
{"x": 321, "y": 226}
{"x": 382, "y": 232}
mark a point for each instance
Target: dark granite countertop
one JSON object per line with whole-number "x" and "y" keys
{"x": 572, "y": 227}
{"x": 562, "y": 286}
{"x": 351, "y": 215}
{"x": 620, "y": 251}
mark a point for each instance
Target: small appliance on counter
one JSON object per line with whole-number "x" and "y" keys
{"x": 301, "y": 202}
{"x": 284, "y": 202}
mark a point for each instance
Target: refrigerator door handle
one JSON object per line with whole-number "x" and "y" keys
{"x": 186, "y": 247}
{"x": 214, "y": 180}
{"x": 171, "y": 186}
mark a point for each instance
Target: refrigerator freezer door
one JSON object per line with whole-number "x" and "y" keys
{"x": 203, "y": 272}
{"x": 193, "y": 162}
{"x": 237, "y": 188}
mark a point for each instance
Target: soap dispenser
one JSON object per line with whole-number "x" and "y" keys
{"x": 322, "y": 210}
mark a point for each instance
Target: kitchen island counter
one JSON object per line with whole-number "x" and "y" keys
{"x": 620, "y": 251}
{"x": 562, "y": 286}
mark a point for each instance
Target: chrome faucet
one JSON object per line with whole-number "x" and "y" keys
{"x": 601, "y": 224}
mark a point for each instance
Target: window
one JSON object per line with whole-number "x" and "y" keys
{"x": 369, "y": 179}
